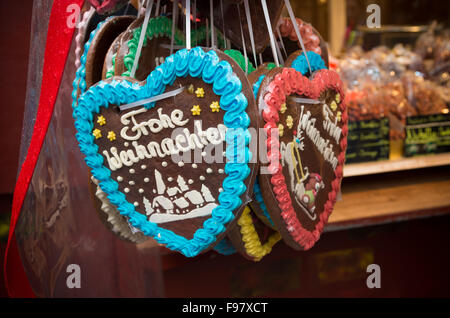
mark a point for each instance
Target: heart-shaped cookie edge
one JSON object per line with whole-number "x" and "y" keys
{"x": 226, "y": 84}
{"x": 289, "y": 81}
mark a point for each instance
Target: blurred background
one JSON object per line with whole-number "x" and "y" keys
{"x": 395, "y": 210}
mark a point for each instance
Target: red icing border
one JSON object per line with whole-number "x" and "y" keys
{"x": 285, "y": 83}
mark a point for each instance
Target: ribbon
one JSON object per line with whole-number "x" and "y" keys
{"x": 269, "y": 28}
{"x": 250, "y": 29}
{"x": 174, "y": 14}
{"x": 59, "y": 38}
{"x": 297, "y": 31}
{"x": 188, "y": 24}
{"x": 148, "y": 12}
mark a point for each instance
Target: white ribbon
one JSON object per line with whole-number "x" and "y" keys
{"x": 269, "y": 28}
{"x": 304, "y": 100}
{"x": 211, "y": 14}
{"x": 281, "y": 41}
{"x": 297, "y": 31}
{"x": 174, "y": 14}
{"x": 157, "y": 8}
{"x": 148, "y": 12}
{"x": 188, "y": 24}
{"x": 243, "y": 40}
{"x": 152, "y": 99}
{"x": 250, "y": 29}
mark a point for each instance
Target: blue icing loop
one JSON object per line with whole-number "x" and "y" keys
{"x": 196, "y": 58}
{"x": 237, "y": 170}
{"x": 257, "y": 85}
{"x": 315, "y": 61}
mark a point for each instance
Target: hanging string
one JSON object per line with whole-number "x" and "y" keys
{"x": 223, "y": 25}
{"x": 157, "y": 8}
{"x": 174, "y": 15}
{"x": 250, "y": 30}
{"x": 281, "y": 41}
{"x": 188, "y": 24}
{"x": 148, "y": 12}
{"x": 269, "y": 28}
{"x": 243, "y": 40}
{"x": 211, "y": 14}
{"x": 279, "y": 53}
{"x": 297, "y": 31}
{"x": 152, "y": 99}
{"x": 195, "y": 21}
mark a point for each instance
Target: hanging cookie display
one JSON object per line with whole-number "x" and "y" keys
{"x": 155, "y": 162}
{"x": 305, "y": 121}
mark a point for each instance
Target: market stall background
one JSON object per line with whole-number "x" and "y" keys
{"x": 352, "y": 249}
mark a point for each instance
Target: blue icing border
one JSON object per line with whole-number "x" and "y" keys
{"x": 225, "y": 248}
{"x": 233, "y": 102}
{"x": 315, "y": 61}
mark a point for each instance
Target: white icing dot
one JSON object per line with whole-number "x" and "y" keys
{"x": 164, "y": 164}
{"x": 126, "y": 190}
{"x": 143, "y": 167}
{"x": 146, "y": 180}
{"x": 203, "y": 153}
{"x": 209, "y": 170}
{"x": 220, "y": 170}
{"x": 190, "y": 181}
{"x": 180, "y": 163}
{"x": 131, "y": 182}
{"x": 202, "y": 178}
{"x": 170, "y": 179}
{"x": 220, "y": 190}
{"x": 194, "y": 166}
{"x": 119, "y": 178}
{"x": 141, "y": 190}
{"x": 154, "y": 191}
{"x": 132, "y": 171}
{"x": 126, "y": 144}
{"x": 136, "y": 203}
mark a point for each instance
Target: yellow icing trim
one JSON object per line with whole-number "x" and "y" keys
{"x": 250, "y": 237}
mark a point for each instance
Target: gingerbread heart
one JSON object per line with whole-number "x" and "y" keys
{"x": 305, "y": 121}
{"x": 312, "y": 39}
{"x": 156, "y": 47}
{"x": 162, "y": 165}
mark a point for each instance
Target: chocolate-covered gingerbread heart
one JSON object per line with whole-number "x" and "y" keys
{"x": 155, "y": 48}
{"x": 162, "y": 165}
{"x": 305, "y": 121}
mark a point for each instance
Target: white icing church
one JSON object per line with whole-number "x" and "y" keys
{"x": 179, "y": 202}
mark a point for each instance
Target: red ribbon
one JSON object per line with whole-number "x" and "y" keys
{"x": 59, "y": 38}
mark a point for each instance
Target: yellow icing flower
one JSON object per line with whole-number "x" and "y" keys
{"x": 200, "y": 92}
{"x": 101, "y": 120}
{"x": 97, "y": 133}
{"x": 338, "y": 98}
{"x": 111, "y": 136}
{"x": 333, "y": 106}
{"x": 196, "y": 110}
{"x": 191, "y": 89}
{"x": 283, "y": 108}
{"x": 289, "y": 122}
{"x": 339, "y": 116}
{"x": 280, "y": 130}
{"x": 215, "y": 107}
